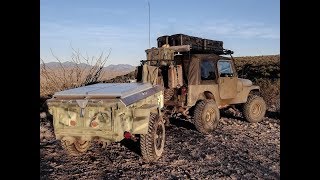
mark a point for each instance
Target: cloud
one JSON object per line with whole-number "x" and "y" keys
{"x": 125, "y": 43}
{"x": 243, "y": 30}
{"x": 89, "y": 32}
{"x": 110, "y": 34}
{"x": 129, "y": 41}
{"x": 222, "y": 28}
{"x": 101, "y": 10}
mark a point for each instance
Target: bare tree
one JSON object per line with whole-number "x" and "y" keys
{"x": 82, "y": 72}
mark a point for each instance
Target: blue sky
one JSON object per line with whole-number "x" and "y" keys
{"x": 248, "y": 27}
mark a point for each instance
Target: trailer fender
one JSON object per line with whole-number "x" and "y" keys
{"x": 141, "y": 117}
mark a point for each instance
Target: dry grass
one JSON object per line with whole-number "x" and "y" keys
{"x": 257, "y": 67}
{"x": 257, "y": 60}
{"x": 58, "y": 79}
{"x": 270, "y": 91}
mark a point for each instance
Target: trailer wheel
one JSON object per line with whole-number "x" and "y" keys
{"x": 76, "y": 148}
{"x": 206, "y": 116}
{"x": 152, "y": 143}
{"x": 167, "y": 94}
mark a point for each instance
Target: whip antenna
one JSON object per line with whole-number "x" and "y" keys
{"x": 149, "y": 22}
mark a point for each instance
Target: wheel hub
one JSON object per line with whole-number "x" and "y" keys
{"x": 209, "y": 115}
{"x": 256, "y": 109}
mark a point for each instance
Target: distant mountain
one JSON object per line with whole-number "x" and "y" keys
{"x": 120, "y": 67}
{"x": 108, "y": 72}
{"x": 64, "y": 64}
{"x": 112, "y": 67}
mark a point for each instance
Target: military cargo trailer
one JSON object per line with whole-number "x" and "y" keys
{"x": 109, "y": 112}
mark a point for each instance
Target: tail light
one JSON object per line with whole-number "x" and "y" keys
{"x": 127, "y": 135}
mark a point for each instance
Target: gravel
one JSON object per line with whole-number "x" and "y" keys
{"x": 235, "y": 150}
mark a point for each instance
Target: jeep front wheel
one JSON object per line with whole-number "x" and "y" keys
{"x": 254, "y": 109}
{"x": 206, "y": 116}
{"x": 152, "y": 143}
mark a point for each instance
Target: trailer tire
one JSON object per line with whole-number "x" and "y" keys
{"x": 167, "y": 94}
{"x": 152, "y": 143}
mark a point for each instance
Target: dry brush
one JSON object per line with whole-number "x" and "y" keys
{"x": 83, "y": 71}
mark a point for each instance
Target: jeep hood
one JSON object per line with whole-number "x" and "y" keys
{"x": 245, "y": 82}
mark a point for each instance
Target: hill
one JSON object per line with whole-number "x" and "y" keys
{"x": 119, "y": 68}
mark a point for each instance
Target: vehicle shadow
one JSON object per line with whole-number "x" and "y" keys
{"x": 182, "y": 123}
{"x": 232, "y": 115}
{"x": 238, "y": 116}
{"x": 274, "y": 115}
{"x": 135, "y": 146}
{"x": 132, "y": 145}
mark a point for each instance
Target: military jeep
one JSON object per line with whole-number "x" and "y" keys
{"x": 200, "y": 79}
{"x": 109, "y": 112}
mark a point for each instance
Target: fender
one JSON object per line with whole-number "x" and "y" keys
{"x": 141, "y": 117}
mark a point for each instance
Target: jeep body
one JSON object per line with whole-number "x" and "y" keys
{"x": 199, "y": 80}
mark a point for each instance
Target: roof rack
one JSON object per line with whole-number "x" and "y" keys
{"x": 211, "y": 51}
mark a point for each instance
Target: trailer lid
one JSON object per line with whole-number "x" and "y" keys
{"x": 104, "y": 90}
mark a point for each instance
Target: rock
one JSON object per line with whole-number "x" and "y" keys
{"x": 230, "y": 152}
{"x": 43, "y": 115}
{"x": 233, "y": 177}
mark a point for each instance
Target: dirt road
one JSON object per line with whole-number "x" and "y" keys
{"x": 235, "y": 150}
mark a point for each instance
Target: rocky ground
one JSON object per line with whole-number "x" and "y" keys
{"x": 235, "y": 150}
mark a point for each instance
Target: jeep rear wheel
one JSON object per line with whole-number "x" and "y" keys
{"x": 75, "y": 148}
{"x": 254, "y": 109}
{"x": 152, "y": 143}
{"x": 206, "y": 116}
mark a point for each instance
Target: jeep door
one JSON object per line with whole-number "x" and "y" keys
{"x": 227, "y": 79}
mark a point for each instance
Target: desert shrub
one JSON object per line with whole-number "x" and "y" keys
{"x": 46, "y": 131}
{"x": 257, "y": 67}
{"x": 83, "y": 71}
{"x": 257, "y": 60}
{"x": 264, "y": 71}
{"x": 270, "y": 91}
{"x": 123, "y": 78}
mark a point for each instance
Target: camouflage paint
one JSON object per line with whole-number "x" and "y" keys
{"x": 103, "y": 119}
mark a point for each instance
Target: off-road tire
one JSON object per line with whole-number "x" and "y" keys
{"x": 76, "y": 148}
{"x": 206, "y": 116}
{"x": 254, "y": 109}
{"x": 167, "y": 94}
{"x": 152, "y": 143}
